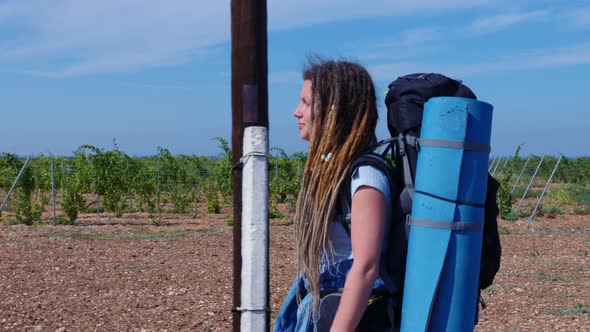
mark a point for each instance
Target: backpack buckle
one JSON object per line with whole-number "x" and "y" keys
{"x": 401, "y": 144}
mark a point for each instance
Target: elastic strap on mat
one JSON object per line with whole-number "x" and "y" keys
{"x": 440, "y": 143}
{"x": 454, "y": 226}
{"x": 450, "y": 200}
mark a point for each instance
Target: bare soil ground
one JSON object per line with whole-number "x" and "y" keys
{"x": 127, "y": 274}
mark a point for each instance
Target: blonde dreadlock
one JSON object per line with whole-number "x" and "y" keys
{"x": 344, "y": 116}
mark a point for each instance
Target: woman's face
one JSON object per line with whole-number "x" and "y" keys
{"x": 303, "y": 111}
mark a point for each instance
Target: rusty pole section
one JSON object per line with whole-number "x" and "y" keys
{"x": 249, "y": 108}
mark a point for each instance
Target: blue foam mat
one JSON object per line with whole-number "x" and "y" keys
{"x": 442, "y": 272}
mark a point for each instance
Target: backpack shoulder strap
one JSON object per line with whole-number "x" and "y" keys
{"x": 369, "y": 158}
{"x": 393, "y": 277}
{"x": 400, "y": 155}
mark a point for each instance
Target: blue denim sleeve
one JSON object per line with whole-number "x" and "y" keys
{"x": 288, "y": 315}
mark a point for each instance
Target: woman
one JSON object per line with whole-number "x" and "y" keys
{"x": 339, "y": 267}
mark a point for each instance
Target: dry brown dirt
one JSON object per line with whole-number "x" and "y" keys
{"x": 127, "y": 274}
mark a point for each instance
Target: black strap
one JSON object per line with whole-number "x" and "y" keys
{"x": 387, "y": 141}
{"x": 378, "y": 161}
{"x": 454, "y": 226}
{"x": 343, "y": 206}
{"x": 368, "y": 158}
{"x": 482, "y": 302}
{"x": 240, "y": 309}
{"x": 450, "y": 200}
{"x": 374, "y": 292}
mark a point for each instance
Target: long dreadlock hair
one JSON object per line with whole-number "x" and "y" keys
{"x": 344, "y": 117}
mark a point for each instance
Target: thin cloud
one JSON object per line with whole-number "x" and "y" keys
{"x": 503, "y": 21}
{"x": 8, "y": 9}
{"x": 390, "y": 71}
{"x": 284, "y": 14}
{"x": 119, "y": 62}
{"x": 420, "y": 36}
{"x": 395, "y": 51}
{"x": 112, "y": 36}
{"x": 419, "y": 41}
{"x": 579, "y": 17}
{"x": 541, "y": 59}
{"x": 73, "y": 38}
{"x": 163, "y": 86}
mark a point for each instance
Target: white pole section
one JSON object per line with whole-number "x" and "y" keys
{"x": 254, "y": 290}
{"x": 544, "y": 191}
{"x": 14, "y": 184}
{"x": 53, "y": 189}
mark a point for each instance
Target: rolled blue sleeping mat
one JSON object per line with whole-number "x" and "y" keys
{"x": 444, "y": 248}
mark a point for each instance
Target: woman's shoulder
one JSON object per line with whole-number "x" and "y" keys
{"x": 368, "y": 175}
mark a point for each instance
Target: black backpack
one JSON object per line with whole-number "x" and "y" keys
{"x": 405, "y": 102}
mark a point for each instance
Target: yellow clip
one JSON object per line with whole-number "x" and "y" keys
{"x": 375, "y": 299}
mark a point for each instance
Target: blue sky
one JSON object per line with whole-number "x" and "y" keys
{"x": 157, "y": 73}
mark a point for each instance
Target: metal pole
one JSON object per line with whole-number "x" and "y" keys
{"x": 527, "y": 188}
{"x": 504, "y": 166}
{"x": 158, "y": 209}
{"x": 64, "y": 174}
{"x": 249, "y": 108}
{"x": 543, "y": 193}
{"x": 14, "y": 184}
{"x": 254, "y": 301}
{"x": 196, "y": 200}
{"x": 53, "y": 189}
{"x": 492, "y": 165}
{"x": 574, "y": 176}
{"x": 130, "y": 208}
{"x": 498, "y": 163}
{"x": 521, "y": 172}
{"x": 98, "y": 205}
{"x": 97, "y": 197}
{"x": 581, "y": 171}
